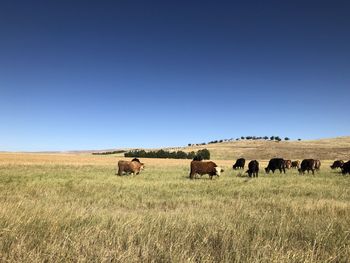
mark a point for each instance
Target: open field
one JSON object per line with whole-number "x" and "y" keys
{"x": 72, "y": 208}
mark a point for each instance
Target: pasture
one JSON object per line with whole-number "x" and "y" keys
{"x": 72, "y": 208}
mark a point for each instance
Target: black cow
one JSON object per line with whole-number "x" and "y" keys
{"x": 253, "y": 168}
{"x": 337, "y": 164}
{"x": 239, "y": 164}
{"x": 274, "y": 164}
{"x": 346, "y": 168}
{"x": 307, "y": 165}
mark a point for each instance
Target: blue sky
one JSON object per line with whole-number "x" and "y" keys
{"x": 108, "y": 74}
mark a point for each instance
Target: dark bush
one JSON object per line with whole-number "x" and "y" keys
{"x": 105, "y": 153}
{"x": 204, "y": 154}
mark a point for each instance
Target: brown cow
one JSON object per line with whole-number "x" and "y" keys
{"x": 134, "y": 167}
{"x": 317, "y": 165}
{"x": 287, "y": 164}
{"x": 296, "y": 164}
{"x": 201, "y": 168}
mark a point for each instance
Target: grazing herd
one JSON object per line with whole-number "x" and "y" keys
{"x": 200, "y": 167}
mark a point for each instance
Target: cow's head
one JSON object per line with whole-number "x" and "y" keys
{"x": 218, "y": 171}
{"x": 267, "y": 170}
{"x": 142, "y": 166}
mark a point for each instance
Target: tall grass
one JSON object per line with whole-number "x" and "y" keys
{"x": 76, "y": 213}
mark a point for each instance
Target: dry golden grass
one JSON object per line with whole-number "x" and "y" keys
{"x": 325, "y": 149}
{"x": 21, "y": 159}
{"x": 72, "y": 208}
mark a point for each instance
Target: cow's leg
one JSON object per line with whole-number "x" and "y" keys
{"x": 120, "y": 172}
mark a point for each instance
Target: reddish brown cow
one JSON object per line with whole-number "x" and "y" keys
{"x": 317, "y": 165}
{"x": 287, "y": 164}
{"x": 201, "y": 168}
{"x": 133, "y": 167}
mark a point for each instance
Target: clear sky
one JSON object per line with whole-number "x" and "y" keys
{"x": 108, "y": 74}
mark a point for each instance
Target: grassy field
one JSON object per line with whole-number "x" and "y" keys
{"x": 72, "y": 208}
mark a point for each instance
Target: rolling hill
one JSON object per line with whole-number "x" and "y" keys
{"x": 323, "y": 149}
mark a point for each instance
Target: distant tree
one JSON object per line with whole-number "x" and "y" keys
{"x": 286, "y": 139}
{"x": 165, "y": 154}
{"x": 191, "y": 155}
{"x": 189, "y": 144}
{"x": 299, "y": 140}
{"x": 205, "y": 154}
{"x": 266, "y": 138}
{"x": 237, "y": 139}
{"x": 277, "y": 138}
{"x": 221, "y": 141}
{"x": 242, "y": 137}
{"x": 181, "y": 155}
{"x": 272, "y": 138}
